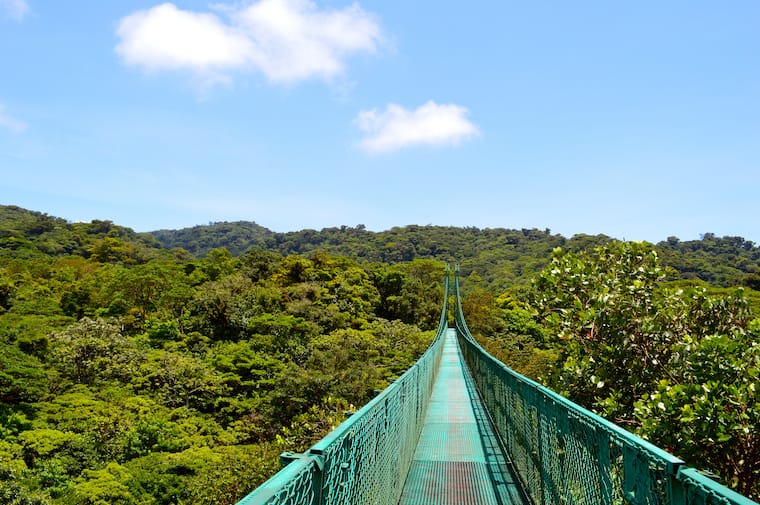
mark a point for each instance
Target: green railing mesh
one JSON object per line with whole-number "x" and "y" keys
{"x": 565, "y": 454}
{"x": 365, "y": 460}
{"x": 561, "y": 452}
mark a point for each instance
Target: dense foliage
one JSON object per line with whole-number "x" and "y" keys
{"x": 237, "y": 237}
{"x": 133, "y": 373}
{"x": 499, "y": 259}
{"x": 130, "y": 374}
{"x": 679, "y": 365}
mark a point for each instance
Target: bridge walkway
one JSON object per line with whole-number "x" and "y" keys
{"x": 428, "y": 439}
{"x": 458, "y": 459}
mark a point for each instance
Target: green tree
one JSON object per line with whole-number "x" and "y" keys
{"x": 6, "y": 292}
{"x": 144, "y": 287}
{"x": 179, "y": 380}
{"x": 221, "y": 309}
{"x": 14, "y": 493}
{"x": 681, "y": 365}
{"x": 707, "y": 410}
{"x": 108, "y": 486}
{"x": 113, "y": 250}
{"x": 601, "y": 311}
{"x": 92, "y": 350}
{"x": 615, "y": 329}
{"x": 22, "y": 377}
{"x": 43, "y": 442}
{"x": 508, "y": 330}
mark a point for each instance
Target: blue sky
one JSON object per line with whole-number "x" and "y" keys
{"x": 640, "y": 120}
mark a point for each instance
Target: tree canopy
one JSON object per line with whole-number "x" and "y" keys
{"x": 174, "y": 367}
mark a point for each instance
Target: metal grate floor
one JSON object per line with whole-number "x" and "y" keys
{"x": 457, "y": 460}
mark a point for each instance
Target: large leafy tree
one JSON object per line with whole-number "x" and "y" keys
{"x": 708, "y": 407}
{"x": 93, "y": 350}
{"x": 603, "y": 314}
{"x": 22, "y": 377}
{"x": 615, "y": 324}
{"x": 680, "y": 366}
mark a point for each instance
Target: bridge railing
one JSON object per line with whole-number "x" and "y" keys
{"x": 565, "y": 454}
{"x": 365, "y": 460}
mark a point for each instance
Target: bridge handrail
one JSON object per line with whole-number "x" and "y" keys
{"x": 564, "y": 453}
{"x": 367, "y": 457}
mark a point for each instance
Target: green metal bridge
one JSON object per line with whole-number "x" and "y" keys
{"x": 460, "y": 427}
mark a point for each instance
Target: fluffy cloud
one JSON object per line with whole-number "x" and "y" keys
{"x": 166, "y": 37}
{"x": 16, "y": 9}
{"x": 10, "y": 123}
{"x": 429, "y": 124}
{"x": 286, "y": 40}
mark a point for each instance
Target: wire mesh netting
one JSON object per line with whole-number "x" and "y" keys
{"x": 292, "y": 485}
{"x": 565, "y": 454}
{"x": 366, "y": 459}
{"x": 561, "y": 453}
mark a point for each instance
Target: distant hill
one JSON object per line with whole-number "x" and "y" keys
{"x": 724, "y": 261}
{"x": 26, "y": 233}
{"x": 499, "y": 257}
{"x": 237, "y": 237}
{"x": 495, "y": 258}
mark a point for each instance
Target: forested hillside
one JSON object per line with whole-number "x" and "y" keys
{"x": 499, "y": 258}
{"x": 237, "y": 237}
{"x": 132, "y": 373}
{"x": 28, "y": 234}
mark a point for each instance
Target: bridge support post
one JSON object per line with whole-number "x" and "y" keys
{"x": 319, "y": 461}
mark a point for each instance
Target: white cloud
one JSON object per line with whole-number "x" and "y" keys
{"x": 166, "y": 37}
{"x": 10, "y": 123}
{"x": 286, "y": 40}
{"x": 16, "y": 9}
{"x": 429, "y": 124}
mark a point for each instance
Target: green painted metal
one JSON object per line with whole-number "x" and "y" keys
{"x": 366, "y": 459}
{"x": 487, "y": 435}
{"x": 565, "y": 454}
{"x": 458, "y": 460}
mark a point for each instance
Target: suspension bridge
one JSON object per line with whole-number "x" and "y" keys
{"x": 461, "y": 428}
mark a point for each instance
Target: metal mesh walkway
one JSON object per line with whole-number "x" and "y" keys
{"x": 458, "y": 459}
{"x": 428, "y": 439}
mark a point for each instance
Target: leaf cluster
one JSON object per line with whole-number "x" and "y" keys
{"x": 130, "y": 374}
